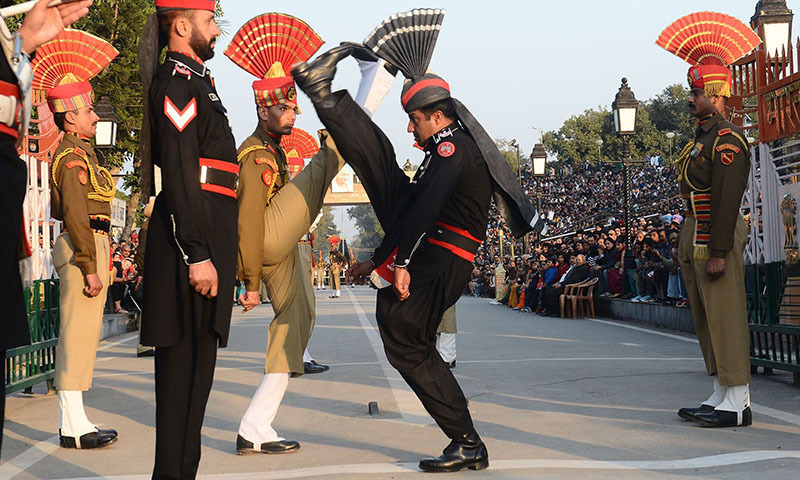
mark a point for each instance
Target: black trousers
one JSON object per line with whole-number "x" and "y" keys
{"x": 184, "y": 374}
{"x": 550, "y": 298}
{"x": 408, "y": 328}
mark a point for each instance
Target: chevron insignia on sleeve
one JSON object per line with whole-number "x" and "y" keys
{"x": 180, "y": 118}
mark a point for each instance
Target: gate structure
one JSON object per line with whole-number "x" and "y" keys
{"x": 766, "y": 103}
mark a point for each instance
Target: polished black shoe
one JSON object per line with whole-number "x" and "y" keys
{"x": 451, "y": 365}
{"x": 88, "y": 441}
{"x": 108, "y": 431}
{"x": 315, "y": 78}
{"x": 245, "y": 447}
{"x": 314, "y": 367}
{"x": 688, "y": 413}
{"x": 723, "y": 419}
{"x": 465, "y": 452}
{"x": 150, "y": 352}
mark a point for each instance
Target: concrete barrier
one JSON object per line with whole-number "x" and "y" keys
{"x": 662, "y": 316}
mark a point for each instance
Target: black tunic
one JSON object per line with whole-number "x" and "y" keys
{"x": 13, "y": 184}
{"x": 189, "y": 225}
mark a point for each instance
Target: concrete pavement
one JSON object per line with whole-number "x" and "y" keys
{"x": 552, "y": 398}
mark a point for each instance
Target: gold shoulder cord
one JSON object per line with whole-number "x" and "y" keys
{"x": 100, "y": 194}
{"x": 250, "y": 150}
{"x": 683, "y": 160}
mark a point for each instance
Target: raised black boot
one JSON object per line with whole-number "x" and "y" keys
{"x": 315, "y": 78}
{"x": 467, "y": 451}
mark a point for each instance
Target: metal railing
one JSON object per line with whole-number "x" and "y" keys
{"x": 773, "y": 307}
{"x": 35, "y": 363}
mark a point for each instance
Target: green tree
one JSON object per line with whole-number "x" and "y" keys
{"x": 370, "y": 233}
{"x": 120, "y": 22}
{"x": 325, "y": 228}
{"x": 509, "y": 151}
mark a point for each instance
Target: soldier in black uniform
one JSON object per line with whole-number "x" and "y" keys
{"x": 190, "y": 259}
{"x": 434, "y": 226}
{"x": 39, "y": 26}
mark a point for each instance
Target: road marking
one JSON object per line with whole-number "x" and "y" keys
{"x": 630, "y": 344}
{"x": 779, "y": 414}
{"x": 112, "y": 345}
{"x": 640, "y": 329}
{"x": 29, "y": 457}
{"x": 410, "y": 409}
{"x": 713, "y": 461}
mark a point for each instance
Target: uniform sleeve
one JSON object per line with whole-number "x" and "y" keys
{"x": 138, "y": 259}
{"x": 252, "y": 196}
{"x": 729, "y": 171}
{"x": 443, "y": 177}
{"x": 72, "y": 182}
{"x": 177, "y": 126}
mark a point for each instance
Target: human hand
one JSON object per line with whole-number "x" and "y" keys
{"x": 358, "y": 272}
{"x": 402, "y": 280}
{"x": 43, "y": 23}
{"x": 203, "y": 277}
{"x": 93, "y": 285}
{"x": 138, "y": 284}
{"x": 250, "y": 300}
{"x": 715, "y": 268}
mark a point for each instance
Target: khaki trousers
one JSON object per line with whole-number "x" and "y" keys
{"x": 719, "y": 308}
{"x": 448, "y": 324}
{"x": 285, "y": 271}
{"x": 81, "y": 316}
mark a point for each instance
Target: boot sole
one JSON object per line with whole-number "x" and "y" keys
{"x": 250, "y": 451}
{"x": 481, "y": 465}
{"x": 716, "y": 425}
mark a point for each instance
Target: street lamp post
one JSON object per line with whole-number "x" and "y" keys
{"x": 599, "y": 143}
{"x": 539, "y": 163}
{"x": 670, "y": 136}
{"x": 625, "y": 107}
{"x": 106, "y": 136}
{"x": 772, "y": 21}
{"x": 519, "y": 166}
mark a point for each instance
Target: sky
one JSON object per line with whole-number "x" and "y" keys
{"x": 518, "y": 66}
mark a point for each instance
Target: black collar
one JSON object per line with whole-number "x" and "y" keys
{"x": 184, "y": 60}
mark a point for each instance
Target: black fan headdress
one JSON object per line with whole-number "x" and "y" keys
{"x": 406, "y": 40}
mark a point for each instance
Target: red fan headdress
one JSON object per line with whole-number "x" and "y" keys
{"x": 63, "y": 67}
{"x": 298, "y": 146}
{"x": 709, "y": 42}
{"x": 334, "y": 240}
{"x": 267, "y": 46}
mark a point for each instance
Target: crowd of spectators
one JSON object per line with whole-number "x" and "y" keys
{"x": 586, "y": 239}
{"x": 124, "y": 275}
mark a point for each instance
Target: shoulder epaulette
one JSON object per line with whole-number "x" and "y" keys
{"x": 724, "y": 131}
{"x": 57, "y": 161}
{"x": 258, "y": 160}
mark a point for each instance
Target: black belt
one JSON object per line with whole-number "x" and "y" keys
{"x": 221, "y": 178}
{"x": 100, "y": 224}
{"x": 457, "y": 240}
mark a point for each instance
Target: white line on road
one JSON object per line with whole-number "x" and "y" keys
{"x": 408, "y": 405}
{"x": 713, "y": 461}
{"x": 28, "y": 458}
{"x": 640, "y": 329}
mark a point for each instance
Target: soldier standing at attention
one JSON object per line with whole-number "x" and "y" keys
{"x": 713, "y": 172}
{"x": 190, "y": 258}
{"x": 40, "y": 25}
{"x": 81, "y": 192}
{"x": 274, "y": 214}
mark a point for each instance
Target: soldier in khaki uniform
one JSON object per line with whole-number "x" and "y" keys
{"x": 335, "y": 272}
{"x": 446, "y": 337}
{"x": 713, "y": 172}
{"x": 274, "y": 214}
{"x": 81, "y": 196}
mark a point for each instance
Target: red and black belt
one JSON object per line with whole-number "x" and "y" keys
{"x": 219, "y": 176}
{"x": 459, "y": 241}
{"x": 100, "y": 224}
{"x": 11, "y": 90}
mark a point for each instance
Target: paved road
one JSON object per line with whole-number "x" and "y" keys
{"x": 552, "y": 398}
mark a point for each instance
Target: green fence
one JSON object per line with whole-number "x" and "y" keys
{"x": 773, "y": 304}
{"x": 29, "y": 365}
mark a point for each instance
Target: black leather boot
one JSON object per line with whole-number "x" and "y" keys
{"x": 688, "y": 413}
{"x": 315, "y": 78}
{"x": 464, "y": 452}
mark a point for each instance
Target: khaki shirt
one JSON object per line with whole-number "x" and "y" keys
{"x": 262, "y": 172}
{"x": 719, "y": 164}
{"x": 80, "y": 187}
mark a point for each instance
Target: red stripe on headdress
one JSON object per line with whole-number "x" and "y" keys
{"x": 431, "y": 82}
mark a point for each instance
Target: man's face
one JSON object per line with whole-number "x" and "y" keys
{"x": 673, "y": 239}
{"x": 126, "y": 251}
{"x": 612, "y": 234}
{"x": 279, "y": 119}
{"x": 82, "y": 121}
{"x": 699, "y": 104}
{"x": 204, "y": 34}
{"x": 654, "y": 236}
{"x": 423, "y": 127}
